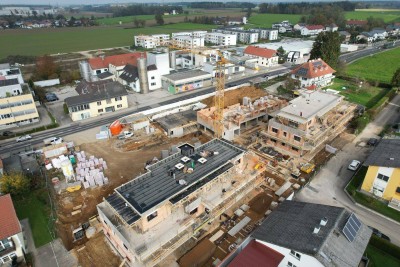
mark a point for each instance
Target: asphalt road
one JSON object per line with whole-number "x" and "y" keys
{"x": 11, "y": 147}
{"x": 327, "y": 187}
{"x": 350, "y": 57}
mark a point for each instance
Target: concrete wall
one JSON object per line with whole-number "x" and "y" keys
{"x": 154, "y": 78}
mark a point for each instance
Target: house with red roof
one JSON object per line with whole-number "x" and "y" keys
{"x": 11, "y": 238}
{"x": 313, "y": 74}
{"x": 356, "y": 23}
{"x": 265, "y": 57}
{"x": 310, "y": 30}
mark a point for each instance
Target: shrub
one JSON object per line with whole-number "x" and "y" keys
{"x": 385, "y": 246}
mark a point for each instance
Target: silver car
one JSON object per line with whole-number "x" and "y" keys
{"x": 24, "y": 138}
{"x": 354, "y": 165}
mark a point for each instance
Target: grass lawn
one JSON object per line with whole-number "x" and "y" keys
{"x": 37, "y": 213}
{"x": 44, "y": 41}
{"x": 379, "y": 67}
{"x": 266, "y": 20}
{"x": 368, "y": 201}
{"x": 366, "y": 96}
{"x": 386, "y": 15}
{"x": 379, "y": 258}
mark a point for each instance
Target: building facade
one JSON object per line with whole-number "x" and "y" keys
{"x": 247, "y": 37}
{"x": 383, "y": 175}
{"x": 313, "y": 74}
{"x": 268, "y": 34}
{"x": 185, "y": 81}
{"x": 151, "y": 41}
{"x": 310, "y": 30}
{"x": 265, "y": 57}
{"x": 222, "y": 39}
{"x": 188, "y": 42}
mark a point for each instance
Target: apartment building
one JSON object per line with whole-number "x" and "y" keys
{"x": 187, "y": 42}
{"x": 193, "y": 34}
{"x": 383, "y": 174}
{"x": 17, "y": 106}
{"x": 244, "y": 36}
{"x": 96, "y": 98}
{"x": 12, "y": 242}
{"x": 151, "y": 41}
{"x": 313, "y": 74}
{"x": 223, "y": 39}
{"x": 267, "y": 34}
{"x": 308, "y": 122}
{"x": 265, "y": 57}
{"x": 149, "y": 217}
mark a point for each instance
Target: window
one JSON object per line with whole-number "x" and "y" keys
{"x": 152, "y": 84}
{"x": 274, "y": 130}
{"x": 283, "y": 144}
{"x": 297, "y": 138}
{"x": 119, "y": 106}
{"x": 118, "y": 98}
{"x": 152, "y": 77}
{"x": 398, "y": 190}
{"x": 125, "y": 246}
{"x": 273, "y": 140}
{"x": 383, "y": 177}
{"x": 193, "y": 211}
{"x": 295, "y": 254}
{"x": 284, "y": 134}
{"x": 99, "y": 103}
{"x": 295, "y": 149}
{"x": 293, "y": 124}
{"x": 152, "y": 216}
{"x": 290, "y": 264}
{"x": 100, "y": 110}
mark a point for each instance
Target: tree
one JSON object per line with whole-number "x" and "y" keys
{"x": 327, "y": 47}
{"x": 291, "y": 84}
{"x": 159, "y": 19}
{"x": 142, "y": 23}
{"x": 16, "y": 184}
{"x": 281, "y": 52}
{"x": 248, "y": 13}
{"x": 136, "y": 22}
{"x": 46, "y": 67}
{"x": 396, "y": 78}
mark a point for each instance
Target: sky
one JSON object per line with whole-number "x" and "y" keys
{"x": 90, "y": 2}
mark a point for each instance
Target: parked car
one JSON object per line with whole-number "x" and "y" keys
{"x": 372, "y": 142}
{"x": 52, "y": 141}
{"x": 379, "y": 233}
{"x": 354, "y": 165}
{"x": 7, "y": 133}
{"x": 124, "y": 135}
{"x": 50, "y": 97}
{"x": 24, "y": 138}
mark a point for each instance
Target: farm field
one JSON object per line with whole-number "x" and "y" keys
{"x": 379, "y": 67}
{"x": 63, "y": 40}
{"x": 266, "y": 20}
{"x": 386, "y": 15}
{"x": 125, "y": 19}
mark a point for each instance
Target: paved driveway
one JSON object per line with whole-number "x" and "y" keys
{"x": 327, "y": 187}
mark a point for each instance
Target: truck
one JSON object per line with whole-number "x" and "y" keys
{"x": 52, "y": 141}
{"x": 124, "y": 135}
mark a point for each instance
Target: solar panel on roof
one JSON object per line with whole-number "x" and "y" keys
{"x": 317, "y": 64}
{"x": 351, "y": 227}
{"x": 302, "y": 71}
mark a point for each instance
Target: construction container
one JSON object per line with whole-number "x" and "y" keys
{"x": 116, "y": 128}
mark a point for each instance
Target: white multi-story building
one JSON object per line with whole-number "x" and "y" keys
{"x": 151, "y": 41}
{"x": 193, "y": 33}
{"x": 224, "y": 39}
{"x": 269, "y": 34}
{"x": 247, "y": 37}
{"x": 188, "y": 42}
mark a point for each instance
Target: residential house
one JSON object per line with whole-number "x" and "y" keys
{"x": 299, "y": 26}
{"x": 145, "y": 227}
{"x": 96, "y": 98}
{"x": 112, "y": 64}
{"x": 310, "y": 30}
{"x": 393, "y": 29}
{"x": 314, "y": 73}
{"x": 284, "y": 23}
{"x": 345, "y": 35}
{"x": 356, "y": 23}
{"x": 379, "y": 33}
{"x": 383, "y": 174}
{"x": 265, "y": 57}
{"x": 300, "y": 234}
{"x": 308, "y": 122}
{"x": 130, "y": 77}
{"x": 222, "y": 39}
{"x": 331, "y": 27}
{"x": 368, "y": 37}
{"x": 12, "y": 243}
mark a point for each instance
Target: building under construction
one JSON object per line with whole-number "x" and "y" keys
{"x": 177, "y": 199}
{"x": 239, "y": 116}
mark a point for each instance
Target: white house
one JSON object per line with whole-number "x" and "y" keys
{"x": 331, "y": 27}
{"x": 223, "y": 39}
{"x": 130, "y": 77}
{"x": 309, "y": 30}
{"x": 8, "y": 72}
{"x": 313, "y": 74}
{"x": 12, "y": 242}
{"x": 193, "y": 33}
{"x": 265, "y": 57}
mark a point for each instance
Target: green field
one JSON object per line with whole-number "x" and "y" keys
{"x": 126, "y": 19}
{"x": 366, "y": 96}
{"x": 379, "y": 258}
{"x": 266, "y": 20}
{"x": 379, "y": 67}
{"x": 34, "y": 209}
{"x": 63, "y": 40}
{"x": 387, "y": 16}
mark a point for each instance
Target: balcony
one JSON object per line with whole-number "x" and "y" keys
{"x": 7, "y": 248}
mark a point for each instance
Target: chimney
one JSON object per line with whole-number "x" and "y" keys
{"x": 391, "y": 158}
{"x": 316, "y": 229}
{"x": 324, "y": 221}
{"x": 301, "y": 114}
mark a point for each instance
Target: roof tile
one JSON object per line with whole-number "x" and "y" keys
{"x": 260, "y": 52}
{"x": 116, "y": 60}
{"x": 9, "y": 223}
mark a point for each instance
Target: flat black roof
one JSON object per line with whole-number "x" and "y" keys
{"x": 178, "y": 119}
{"x": 157, "y": 185}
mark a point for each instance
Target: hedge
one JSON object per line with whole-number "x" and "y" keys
{"x": 385, "y": 246}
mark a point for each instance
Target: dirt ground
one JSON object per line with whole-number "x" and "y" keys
{"x": 122, "y": 167}
{"x": 236, "y": 96}
{"x": 96, "y": 252}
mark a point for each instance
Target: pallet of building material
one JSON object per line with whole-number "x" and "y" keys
{"x": 105, "y": 165}
{"x": 105, "y": 179}
{"x": 86, "y": 185}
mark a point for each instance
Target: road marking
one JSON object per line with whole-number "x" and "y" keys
{"x": 393, "y": 104}
{"x": 312, "y": 188}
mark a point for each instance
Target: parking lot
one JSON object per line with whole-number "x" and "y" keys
{"x": 56, "y": 107}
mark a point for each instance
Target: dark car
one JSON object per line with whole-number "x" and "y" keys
{"x": 379, "y": 233}
{"x": 7, "y": 133}
{"x": 372, "y": 142}
{"x": 50, "y": 97}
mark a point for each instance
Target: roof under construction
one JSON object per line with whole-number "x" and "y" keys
{"x": 171, "y": 178}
